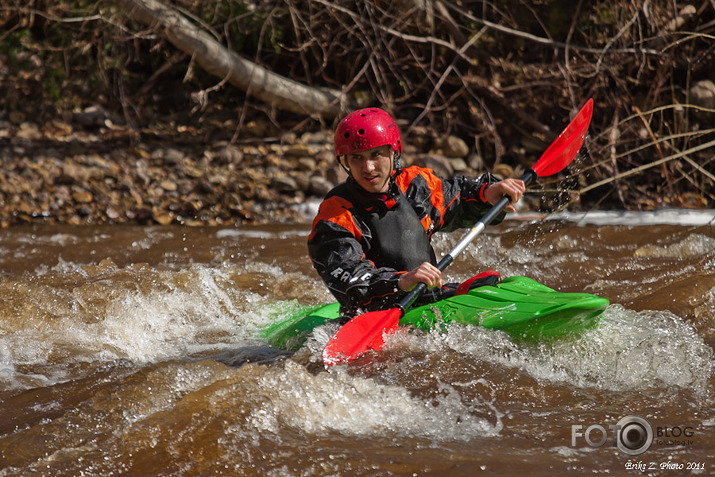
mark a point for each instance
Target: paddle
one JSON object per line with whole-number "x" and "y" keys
{"x": 367, "y": 331}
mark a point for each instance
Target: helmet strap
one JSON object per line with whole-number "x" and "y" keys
{"x": 397, "y": 162}
{"x": 341, "y": 161}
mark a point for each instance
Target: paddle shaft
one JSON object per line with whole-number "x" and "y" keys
{"x": 410, "y": 298}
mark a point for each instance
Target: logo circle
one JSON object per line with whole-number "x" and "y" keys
{"x": 634, "y": 435}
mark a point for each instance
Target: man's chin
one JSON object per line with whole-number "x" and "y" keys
{"x": 370, "y": 187}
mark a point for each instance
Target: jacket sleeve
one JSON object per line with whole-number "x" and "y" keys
{"x": 450, "y": 204}
{"x": 334, "y": 247}
{"x": 465, "y": 203}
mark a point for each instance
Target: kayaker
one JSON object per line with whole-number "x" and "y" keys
{"x": 370, "y": 241}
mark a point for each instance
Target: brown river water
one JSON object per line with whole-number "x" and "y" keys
{"x": 136, "y": 351}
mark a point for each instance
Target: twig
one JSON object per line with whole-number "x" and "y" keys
{"x": 40, "y": 13}
{"x": 566, "y": 49}
{"x": 636, "y": 170}
{"x": 613, "y": 40}
{"x": 613, "y": 138}
{"x": 446, "y": 73}
{"x": 403, "y": 36}
{"x": 700, "y": 169}
{"x": 666, "y": 173}
{"x": 546, "y": 41}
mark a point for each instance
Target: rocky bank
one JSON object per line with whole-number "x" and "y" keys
{"x": 87, "y": 168}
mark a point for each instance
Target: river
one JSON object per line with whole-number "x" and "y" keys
{"x": 128, "y": 350}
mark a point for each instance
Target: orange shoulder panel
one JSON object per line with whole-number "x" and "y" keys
{"x": 433, "y": 182}
{"x": 337, "y": 210}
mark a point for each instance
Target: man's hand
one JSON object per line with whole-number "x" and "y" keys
{"x": 514, "y": 188}
{"x": 425, "y": 273}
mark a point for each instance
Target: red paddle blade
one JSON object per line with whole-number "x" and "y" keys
{"x": 362, "y": 333}
{"x": 563, "y": 150}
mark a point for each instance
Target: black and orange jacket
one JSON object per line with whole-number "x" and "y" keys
{"x": 360, "y": 244}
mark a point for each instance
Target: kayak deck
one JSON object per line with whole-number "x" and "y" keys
{"x": 519, "y": 306}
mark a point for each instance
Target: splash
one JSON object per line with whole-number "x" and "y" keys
{"x": 692, "y": 246}
{"x": 73, "y": 315}
{"x": 628, "y": 351}
{"x": 338, "y": 402}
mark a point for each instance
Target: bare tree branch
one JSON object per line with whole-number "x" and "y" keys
{"x": 273, "y": 89}
{"x": 637, "y": 170}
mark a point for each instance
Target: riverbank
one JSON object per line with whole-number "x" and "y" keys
{"x": 97, "y": 173}
{"x": 87, "y": 168}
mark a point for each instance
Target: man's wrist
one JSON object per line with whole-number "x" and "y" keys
{"x": 401, "y": 282}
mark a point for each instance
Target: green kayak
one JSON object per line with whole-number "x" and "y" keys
{"x": 519, "y": 306}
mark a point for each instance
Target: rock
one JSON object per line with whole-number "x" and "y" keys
{"x": 82, "y": 196}
{"x": 299, "y": 150}
{"x": 62, "y": 195}
{"x": 476, "y": 162}
{"x": 162, "y": 218}
{"x": 285, "y": 183}
{"x": 192, "y": 171}
{"x": 452, "y": 146}
{"x": 325, "y": 158}
{"x": 438, "y": 163}
{"x": 258, "y": 128}
{"x": 73, "y": 173}
{"x": 16, "y": 117}
{"x": 84, "y": 210}
{"x": 112, "y": 213}
{"x": 703, "y": 94}
{"x": 503, "y": 171}
{"x": 96, "y": 161}
{"x": 172, "y": 156}
{"x": 420, "y": 140}
{"x": 229, "y": 155}
{"x": 24, "y": 208}
{"x": 307, "y": 164}
{"x": 320, "y": 186}
{"x": 274, "y": 161}
{"x": 93, "y": 116}
{"x": 336, "y": 174}
{"x": 459, "y": 165}
{"x": 168, "y": 186}
{"x": 692, "y": 200}
{"x": 58, "y": 127}
{"x": 289, "y": 137}
{"x": 141, "y": 215}
{"x": 303, "y": 181}
{"x": 319, "y": 137}
{"x": 29, "y": 131}
{"x": 217, "y": 179}
{"x": 686, "y": 13}
{"x": 191, "y": 206}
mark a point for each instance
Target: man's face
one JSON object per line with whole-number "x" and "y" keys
{"x": 372, "y": 168}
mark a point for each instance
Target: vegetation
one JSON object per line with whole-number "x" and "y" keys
{"x": 503, "y": 75}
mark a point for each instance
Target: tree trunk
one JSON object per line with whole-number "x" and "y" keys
{"x": 273, "y": 89}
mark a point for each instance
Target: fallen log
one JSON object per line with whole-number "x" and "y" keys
{"x": 270, "y": 88}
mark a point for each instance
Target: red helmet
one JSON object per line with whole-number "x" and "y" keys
{"x": 366, "y": 129}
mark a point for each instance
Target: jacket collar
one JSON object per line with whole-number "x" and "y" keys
{"x": 370, "y": 201}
